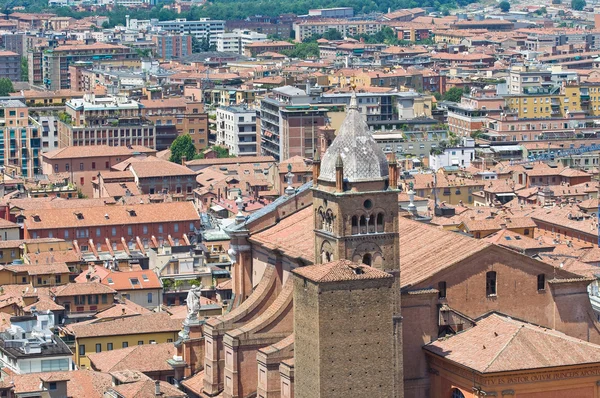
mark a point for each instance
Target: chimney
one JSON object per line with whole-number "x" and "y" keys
{"x": 157, "y": 388}
{"x": 183, "y": 159}
{"x": 316, "y": 168}
{"x": 339, "y": 174}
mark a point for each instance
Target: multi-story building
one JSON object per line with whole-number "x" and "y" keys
{"x": 20, "y": 139}
{"x": 201, "y": 29}
{"x": 153, "y": 328}
{"x": 390, "y": 106}
{"x": 30, "y": 346}
{"x": 94, "y": 158}
{"x": 114, "y": 121}
{"x": 457, "y": 156}
{"x": 172, "y": 46}
{"x": 305, "y": 29}
{"x": 55, "y": 62}
{"x": 15, "y": 42}
{"x": 258, "y": 47}
{"x": 523, "y": 76}
{"x": 101, "y": 223}
{"x": 10, "y": 66}
{"x": 290, "y": 124}
{"x": 236, "y": 41}
{"x": 154, "y": 176}
{"x": 176, "y": 116}
{"x": 337, "y": 12}
{"x": 236, "y": 130}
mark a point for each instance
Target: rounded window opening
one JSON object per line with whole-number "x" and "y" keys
{"x": 367, "y": 259}
{"x": 456, "y": 393}
{"x": 368, "y": 204}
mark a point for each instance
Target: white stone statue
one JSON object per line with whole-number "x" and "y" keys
{"x": 193, "y": 301}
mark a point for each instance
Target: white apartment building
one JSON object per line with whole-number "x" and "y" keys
{"x": 236, "y": 41}
{"x": 200, "y": 29}
{"x": 29, "y": 345}
{"x": 459, "y": 156}
{"x": 236, "y": 130}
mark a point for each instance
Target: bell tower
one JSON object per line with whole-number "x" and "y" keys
{"x": 355, "y": 202}
{"x": 355, "y": 199}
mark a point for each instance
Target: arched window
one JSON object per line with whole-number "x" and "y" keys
{"x": 367, "y": 259}
{"x": 329, "y": 221}
{"x": 354, "y": 225}
{"x": 363, "y": 225}
{"x": 456, "y": 393}
{"x": 372, "y": 224}
{"x": 380, "y": 222}
{"x": 328, "y": 257}
{"x": 490, "y": 283}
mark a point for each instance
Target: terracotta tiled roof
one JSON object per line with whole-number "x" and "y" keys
{"x": 143, "y": 358}
{"x": 154, "y": 167}
{"x": 151, "y": 323}
{"x": 145, "y": 389}
{"x": 339, "y": 271}
{"x": 121, "y": 280}
{"x": 293, "y": 235}
{"x": 45, "y": 304}
{"x": 426, "y": 250}
{"x": 90, "y": 151}
{"x": 39, "y": 269}
{"x": 127, "y": 308}
{"x": 195, "y": 383}
{"x": 226, "y": 161}
{"x": 60, "y": 256}
{"x": 79, "y": 289}
{"x": 514, "y": 241}
{"x": 500, "y": 344}
{"x": 80, "y": 384}
{"x": 111, "y": 215}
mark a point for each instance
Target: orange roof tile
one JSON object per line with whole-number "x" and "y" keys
{"x": 340, "y": 271}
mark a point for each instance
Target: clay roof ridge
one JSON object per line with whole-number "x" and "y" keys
{"x": 519, "y": 328}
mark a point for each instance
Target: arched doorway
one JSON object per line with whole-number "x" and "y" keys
{"x": 367, "y": 259}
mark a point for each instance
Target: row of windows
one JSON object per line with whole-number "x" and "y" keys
{"x": 85, "y": 233}
{"x": 109, "y": 346}
{"x": 491, "y": 284}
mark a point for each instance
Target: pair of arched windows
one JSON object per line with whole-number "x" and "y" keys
{"x": 367, "y": 224}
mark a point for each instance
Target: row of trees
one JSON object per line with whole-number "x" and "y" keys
{"x": 183, "y": 146}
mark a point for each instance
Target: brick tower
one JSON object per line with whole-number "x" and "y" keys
{"x": 355, "y": 201}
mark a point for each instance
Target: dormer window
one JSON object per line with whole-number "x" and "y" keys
{"x": 132, "y": 213}
{"x": 79, "y": 216}
{"x": 36, "y": 218}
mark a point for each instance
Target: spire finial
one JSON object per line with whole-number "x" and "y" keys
{"x": 353, "y": 101}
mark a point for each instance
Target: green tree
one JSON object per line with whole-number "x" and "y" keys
{"x": 182, "y": 146}
{"x": 454, "y": 94}
{"x": 24, "y": 69}
{"x": 578, "y": 5}
{"x": 437, "y": 95}
{"x": 303, "y": 50}
{"x": 222, "y": 152}
{"x": 333, "y": 34}
{"x": 6, "y": 87}
{"x": 504, "y": 6}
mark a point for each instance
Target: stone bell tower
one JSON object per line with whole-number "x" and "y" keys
{"x": 355, "y": 202}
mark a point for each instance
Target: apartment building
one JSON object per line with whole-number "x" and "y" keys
{"x": 236, "y": 41}
{"x": 113, "y": 121}
{"x": 20, "y": 139}
{"x": 290, "y": 123}
{"x": 255, "y": 48}
{"x": 10, "y": 66}
{"x": 236, "y": 130}
{"x": 103, "y": 223}
{"x": 200, "y": 29}
{"x": 176, "y": 116}
{"x": 305, "y": 29}
{"x": 54, "y": 62}
{"x": 93, "y": 158}
{"x": 172, "y": 46}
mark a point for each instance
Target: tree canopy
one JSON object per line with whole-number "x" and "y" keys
{"x": 6, "y": 87}
{"x": 182, "y": 146}
{"x": 504, "y": 6}
{"x": 578, "y": 5}
{"x": 454, "y": 94}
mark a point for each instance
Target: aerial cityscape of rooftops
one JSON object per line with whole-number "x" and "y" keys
{"x": 309, "y": 199}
